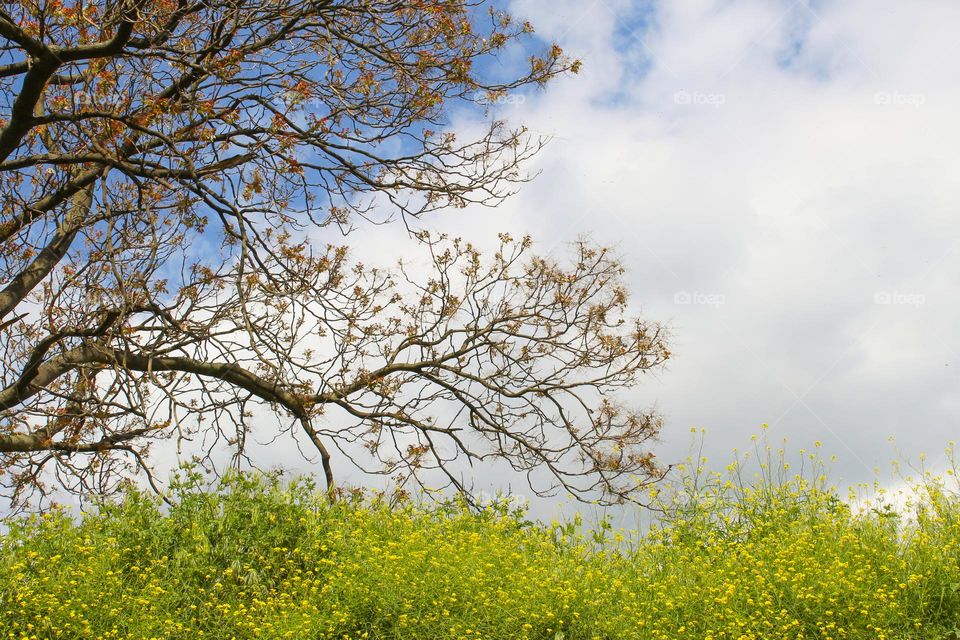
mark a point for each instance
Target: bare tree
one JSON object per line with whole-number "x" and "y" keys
{"x": 166, "y": 169}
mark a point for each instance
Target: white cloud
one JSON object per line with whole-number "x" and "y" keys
{"x": 809, "y": 164}
{"x": 802, "y": 185}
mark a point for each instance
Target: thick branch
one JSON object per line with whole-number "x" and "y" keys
{"x": 62, "y": 364}
{"x": 53, "y": 253}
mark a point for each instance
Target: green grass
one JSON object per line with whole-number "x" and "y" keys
{"x": 776, "y": 555}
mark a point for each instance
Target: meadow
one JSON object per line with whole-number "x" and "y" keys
{"x": 753, "y": 551}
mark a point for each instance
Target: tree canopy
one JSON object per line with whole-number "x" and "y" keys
{"x": 171, "y": 172}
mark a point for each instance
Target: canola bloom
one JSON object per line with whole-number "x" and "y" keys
{"x": 254, "y": 558}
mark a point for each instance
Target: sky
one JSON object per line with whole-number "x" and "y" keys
{"x": 780, "y": 180}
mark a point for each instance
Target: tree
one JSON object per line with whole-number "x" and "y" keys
{"x": 169, "y": 170}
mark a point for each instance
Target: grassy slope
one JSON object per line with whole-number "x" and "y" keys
{"x": 778, "y": 558}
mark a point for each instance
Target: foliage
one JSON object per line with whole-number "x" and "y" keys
{"x": 174, "y": 176}
{"x": 776, "y": 555}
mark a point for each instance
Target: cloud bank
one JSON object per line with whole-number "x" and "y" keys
{"x": 780, "y": 178}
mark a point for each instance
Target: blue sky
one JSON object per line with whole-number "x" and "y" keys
{"x": 780, "y": 178}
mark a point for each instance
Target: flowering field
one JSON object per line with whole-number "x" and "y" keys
{"x": 778, "y": 556}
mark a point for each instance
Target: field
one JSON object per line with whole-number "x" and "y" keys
{"x": 734, "y": 554}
